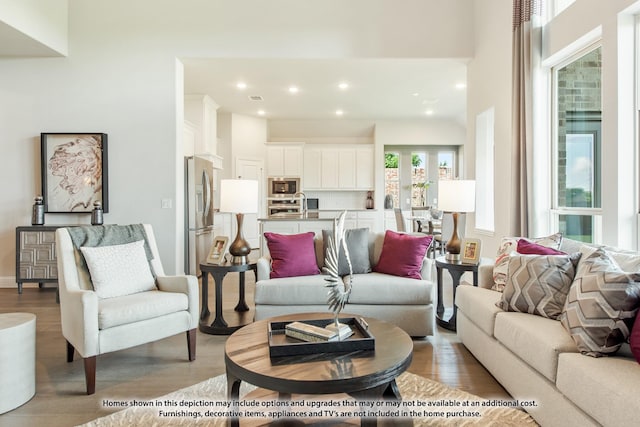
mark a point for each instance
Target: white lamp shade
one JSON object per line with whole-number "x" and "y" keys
{"x": 239, "y": 196}
{"x": 456, "y": 195}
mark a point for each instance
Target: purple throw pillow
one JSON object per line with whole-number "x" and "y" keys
{"x": 526, "y": 247}
{"x": 402, "y": 254}
{"x": 292, "y": 254}
{"x": 634, "y": 338}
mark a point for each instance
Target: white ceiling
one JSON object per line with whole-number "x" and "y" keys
{"x": 379, "y": 88}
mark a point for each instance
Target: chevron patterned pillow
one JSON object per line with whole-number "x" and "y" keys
{"x": 601, "y": 305}
{"x": 538, "y": 284}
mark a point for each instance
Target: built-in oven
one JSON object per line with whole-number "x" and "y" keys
{"x": 278, "y": 205}
{"x": 282, "y": 187}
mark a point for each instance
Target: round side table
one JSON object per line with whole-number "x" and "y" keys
{"x": 219, "y": 326}
{"x": 456, "y": 269}
{"x": 17, "y": 359}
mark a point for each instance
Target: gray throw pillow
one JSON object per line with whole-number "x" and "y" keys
{"x": 601, "y": 305}
{"x": 538, "y": 284}
{"x": 358, "y": 245}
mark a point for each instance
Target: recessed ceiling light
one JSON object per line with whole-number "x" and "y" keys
{"x": 241, "y": 85}
{"x": 461, "y": 85}
{"x": 339, "y": 112}
{"x": 261, "y": 112}
{"x": 343, "y": 86}
{"x": 429, "y": 112}
{"x": 415, "y": 94}
{"x": 293, "y": 89}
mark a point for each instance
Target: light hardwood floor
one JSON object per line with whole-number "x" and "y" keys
{"x": 158, "y": 368}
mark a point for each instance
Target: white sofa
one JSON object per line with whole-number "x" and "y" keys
{"x": 405, "y": 302}
{"x": 535, "y": 358}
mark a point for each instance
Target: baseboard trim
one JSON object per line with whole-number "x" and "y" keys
{"x": 10, "y": 282}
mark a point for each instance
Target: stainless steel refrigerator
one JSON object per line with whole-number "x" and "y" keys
{"x": 199, "y": 233}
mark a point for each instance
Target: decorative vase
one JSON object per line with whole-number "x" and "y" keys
{"x": 37, "y": 214}
{"x": 369, "y": 203}
{"x": 97, "y": 214}
{"x": 388, "y": 202}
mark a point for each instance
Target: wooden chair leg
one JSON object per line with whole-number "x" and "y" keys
{"x": 90, "y": 374}
{"x": 70, "y": 351}
{"x": 191, "y": 344}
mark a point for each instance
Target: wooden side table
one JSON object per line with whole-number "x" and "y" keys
{"x": 219, "y": 326}
{"x": 456, "y": 269}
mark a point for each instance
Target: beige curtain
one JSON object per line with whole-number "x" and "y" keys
{"x": 524, "y": 45}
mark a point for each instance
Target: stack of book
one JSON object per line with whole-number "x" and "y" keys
{"x": 312, "y": 333}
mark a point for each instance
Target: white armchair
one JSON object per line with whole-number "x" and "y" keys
{"x": 93, "y": 325}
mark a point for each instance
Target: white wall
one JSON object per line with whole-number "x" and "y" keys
{"x": 35, "y": 26}
{"x": 488, "y": 85}
{"x": 120, "y": 78}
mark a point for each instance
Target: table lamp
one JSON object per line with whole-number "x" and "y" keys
{"x": 239, "y": 196}
{"x": 456, "y": 196}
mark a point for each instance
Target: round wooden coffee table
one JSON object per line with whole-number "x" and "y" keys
{"x": 365, "y": 375}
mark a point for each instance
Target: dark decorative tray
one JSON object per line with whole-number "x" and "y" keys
{"x": 282, "y": 345}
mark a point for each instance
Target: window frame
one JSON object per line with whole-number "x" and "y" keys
{"x": 556, "y": 211}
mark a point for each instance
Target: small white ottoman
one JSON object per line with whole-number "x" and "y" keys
{"x": 17, "y": 359}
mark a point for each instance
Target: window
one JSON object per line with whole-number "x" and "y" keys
{"x": 560, "y": 5}
{"x": 392, "y": 178}
{"x": 419, "y": 180}
{"x": 445, "y": 165}
{"x": 484, "y": 171}
{"x": 578, "y": 147}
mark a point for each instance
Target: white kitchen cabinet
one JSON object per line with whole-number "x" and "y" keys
{"x": 284, "y": 160}
{"x": 315, "y": 226}
{"x": 328, "y": 170}
{"x": 365, "y": 166}
{"x": 368, "y": 220}
{"x": 347, "y": 168}
{"x": 312, "y": 171}
{"x": 338, "y": 168}
{"x": 201, "y": 111}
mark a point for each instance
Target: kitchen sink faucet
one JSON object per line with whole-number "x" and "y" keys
{"x": 304, "y": 200}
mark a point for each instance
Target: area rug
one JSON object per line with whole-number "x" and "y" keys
{"x": 426, "y": 402}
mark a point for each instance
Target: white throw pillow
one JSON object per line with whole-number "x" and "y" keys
{"x": 119, "y": 270}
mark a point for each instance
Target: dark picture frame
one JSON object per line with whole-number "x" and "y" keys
{"x": 74, "y": 171}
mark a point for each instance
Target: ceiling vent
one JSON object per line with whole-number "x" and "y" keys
{"x": 255, "y": 98}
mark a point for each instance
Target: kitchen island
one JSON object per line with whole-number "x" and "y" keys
{"x": 314, "y": 220}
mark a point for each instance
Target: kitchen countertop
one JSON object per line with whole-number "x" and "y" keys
{"x": 309, "y": 216}
{"x": 313, "y": 215}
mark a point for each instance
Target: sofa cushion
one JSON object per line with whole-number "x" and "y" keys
{"x": 534, "y": 339}
{"x": 302, "y": 290}
{"x": 119, "y": 270}
{"x": 292, "y": 254}
{"x": 606, "y": 388}
{"x": 525, "y": 247}
{"x": 402, "y": 254}
{"x": 508, "y": 246}
{"x": 378, "y": 288}
{"x": 358, "y": 245}
{"x": 634, "y": 339}
{"x": 538, "y": 284}
{"x": 601, "y": 304}
{"x": 479, "y": 305}
{"x": 138, "y": 307}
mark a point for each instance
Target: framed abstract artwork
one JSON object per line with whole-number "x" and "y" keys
{"x": 74, "y": 171}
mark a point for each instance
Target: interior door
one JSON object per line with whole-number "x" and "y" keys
{"x": 252, "y": 169}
